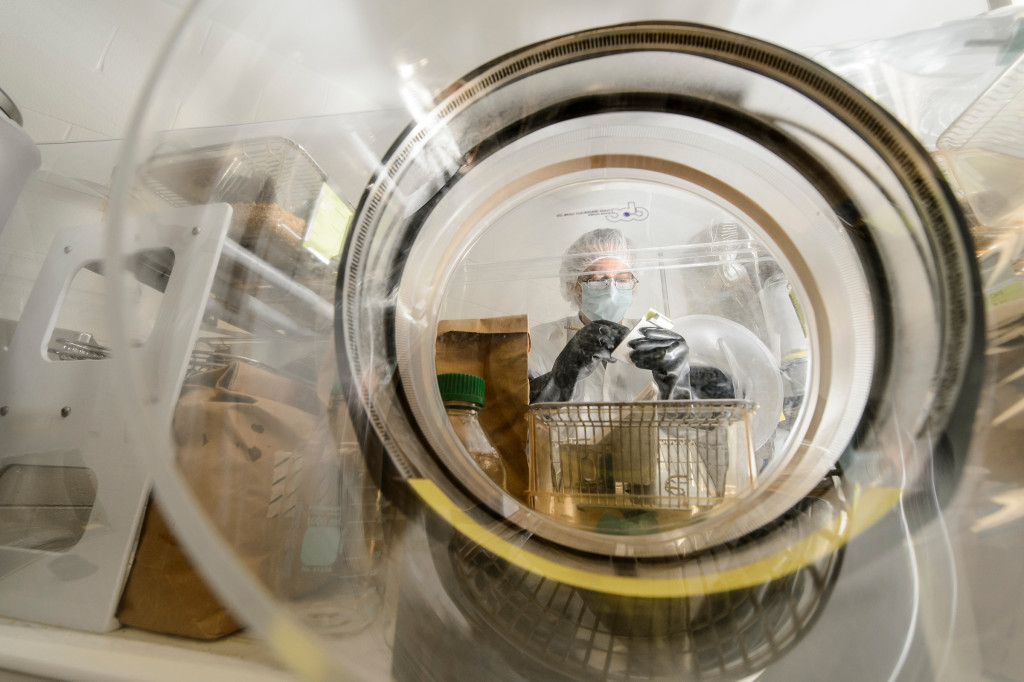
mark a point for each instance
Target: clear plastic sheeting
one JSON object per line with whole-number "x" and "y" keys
{"x": 827, "y": 512}
{"x": 928, "y": 78}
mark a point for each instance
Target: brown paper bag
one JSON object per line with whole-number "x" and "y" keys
{"x": 496, "y": 349}
{"x": 164, "y": 593}
{"x": 245, "y": 436}
{"x": 257, "y": 452}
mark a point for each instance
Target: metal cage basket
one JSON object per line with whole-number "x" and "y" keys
{"x": 666, "y": 455}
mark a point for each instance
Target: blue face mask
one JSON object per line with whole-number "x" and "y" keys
{"x": 606, "y": 304}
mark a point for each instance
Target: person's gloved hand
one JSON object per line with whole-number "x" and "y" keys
{"x": 590, "y": 346}
{"x": 711, "y": 383}
{"x": 666, "y": 354}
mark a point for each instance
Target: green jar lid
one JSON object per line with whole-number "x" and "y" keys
{"x": 465, "y": 387}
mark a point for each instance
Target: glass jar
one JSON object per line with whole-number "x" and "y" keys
{"x": 463, "y": 397}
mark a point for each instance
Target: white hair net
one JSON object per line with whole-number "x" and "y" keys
{"x": 588, "y": 249}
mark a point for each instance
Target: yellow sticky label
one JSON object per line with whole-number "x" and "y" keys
{"x": 329, "y": 226}
{"x": 1007, "y": 294}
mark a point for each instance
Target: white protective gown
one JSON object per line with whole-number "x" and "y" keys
{"x": 610, "y": 382}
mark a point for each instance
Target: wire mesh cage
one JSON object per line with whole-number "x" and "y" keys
{"x": 666, "y": 455}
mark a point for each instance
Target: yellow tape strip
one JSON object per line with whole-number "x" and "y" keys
{"x": 871, "y": 504}
{"x": 299, "y": 652}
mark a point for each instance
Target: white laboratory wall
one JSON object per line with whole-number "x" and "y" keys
{"x": 76, "y": 67}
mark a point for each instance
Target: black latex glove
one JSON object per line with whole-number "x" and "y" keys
{"x": 710, "y": 383}
{"x": 590, "y": 346}
{"x": 666, "y": 354}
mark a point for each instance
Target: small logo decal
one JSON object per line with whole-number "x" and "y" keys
{"x": 629, "y": 212}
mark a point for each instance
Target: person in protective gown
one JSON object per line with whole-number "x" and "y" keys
{"x": 570, "y": 358}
